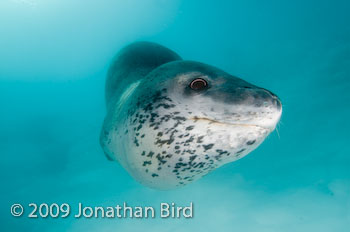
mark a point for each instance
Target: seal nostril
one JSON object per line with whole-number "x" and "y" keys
{"x": 271, "y": 93}
{"x": 278, "y": 103}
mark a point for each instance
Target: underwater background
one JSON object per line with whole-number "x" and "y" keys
{"x": 54, "y": 56}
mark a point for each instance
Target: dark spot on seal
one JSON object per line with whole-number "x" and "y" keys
{"x": 189, "y": 128}
{"x": 160, "y": 159}
{"x": 208, "y": 146}
{"x": 150, "y": 154}
{"x": 251, "y": 142}
{"x": 168, "y": 156}
{"x": 136, "y": 142}
{"x": 155, "y": 175}
{"x": 179, "y": 118}
{"x": 147, "y": 163}
{"x": 200, "y": 139}
{"x": 166, "y": 141}
{"x": 189, "y": 140}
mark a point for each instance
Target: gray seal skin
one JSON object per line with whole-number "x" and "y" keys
{"x": 171, "y": 121}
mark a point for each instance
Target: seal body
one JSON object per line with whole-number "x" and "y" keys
{"x": 170, "y": 121}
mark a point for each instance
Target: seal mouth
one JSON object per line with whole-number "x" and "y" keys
{"x": 212, "y": 121}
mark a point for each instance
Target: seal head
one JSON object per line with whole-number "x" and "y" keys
{"x": 184, "y": 119}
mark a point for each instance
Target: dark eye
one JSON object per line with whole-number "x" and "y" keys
{"x": 198, "y": 84}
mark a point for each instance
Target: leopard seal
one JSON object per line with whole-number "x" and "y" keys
{"x": 170, "y": 121}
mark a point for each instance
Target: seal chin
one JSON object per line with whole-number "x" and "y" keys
{"x": 212, "y": 121}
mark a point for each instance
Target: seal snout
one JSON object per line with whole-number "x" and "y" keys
{"x": 266, "y": 110}
{"x": 255, "y": 97}
{"x": 272, "y": 99}
{"x": 252, "y": 105}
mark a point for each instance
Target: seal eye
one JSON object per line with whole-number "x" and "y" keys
{"x": 198, "y": 84}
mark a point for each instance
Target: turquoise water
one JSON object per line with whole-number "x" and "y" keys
{"x": 54, "y": 56}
